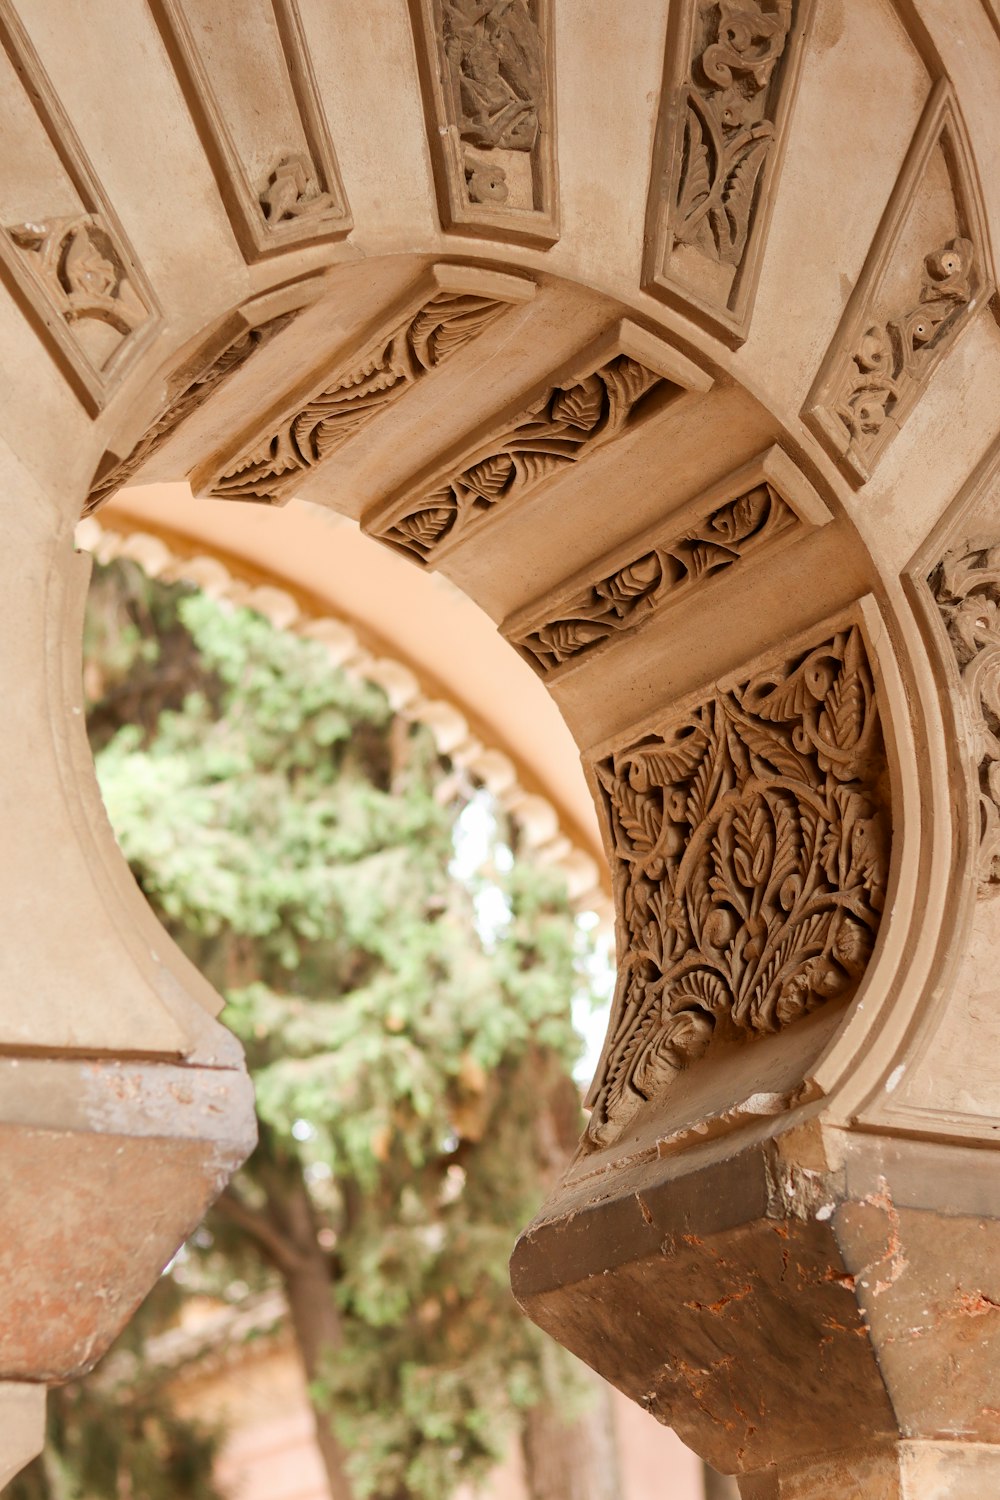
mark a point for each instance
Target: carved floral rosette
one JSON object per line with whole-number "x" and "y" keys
{"x": 966, "y": 586}
{"x": 750, "y": 842}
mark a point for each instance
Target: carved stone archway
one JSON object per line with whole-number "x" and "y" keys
{"x": 668, "y": 336}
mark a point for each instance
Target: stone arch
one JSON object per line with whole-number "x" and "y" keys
{"x": 681, "y": 396}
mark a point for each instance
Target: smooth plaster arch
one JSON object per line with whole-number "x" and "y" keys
{"x": 125, "y": 1029}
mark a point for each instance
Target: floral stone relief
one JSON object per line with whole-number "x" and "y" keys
{"x": 751, "y": 845}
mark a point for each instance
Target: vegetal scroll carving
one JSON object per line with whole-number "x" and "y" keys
{"x": 82, "y": 271}
{"x": 751, "y": 843}
{"x": 188, "y": 398}
{"x": 419, "y": 344}
{"x": 928, "y": 270}
{"x": 292, "y": 190}
{"x": 891, "y": 359}
{"x": 491, "y": 96}
{"x": 555, "y": 431}
{"x": 966, "y": 585}
{"x": 659, "y": 576}
{"x": 727, "y": 132}
{"x": 724, "y": 103}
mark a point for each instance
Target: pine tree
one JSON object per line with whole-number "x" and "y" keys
{"x": 407, "y": 1023}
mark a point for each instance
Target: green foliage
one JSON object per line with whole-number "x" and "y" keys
{"x": 406, "y": 1020}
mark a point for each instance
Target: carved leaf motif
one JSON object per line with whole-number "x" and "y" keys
{"x": 581, "y": 405}
{"x": 752, "y": 845}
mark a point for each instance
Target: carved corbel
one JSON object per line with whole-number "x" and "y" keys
{"x": 606, "y": 392}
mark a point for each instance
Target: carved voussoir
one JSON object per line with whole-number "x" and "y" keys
{"x": 766, "y": 501}
{"x": 731, "y": 74}
{"x": 966, "y": 587}
{"x": 750, "y": 845}
{"x": 607, "y": 391}
{"x": 488, "y": 72}
{"x": 928, "y": 271}
{"x": 275, "y": 164}
{"x": 444, "y": 311}
{"x": 75, "y": 269}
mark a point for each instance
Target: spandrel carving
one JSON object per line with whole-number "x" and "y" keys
{"x": 966, "y": 585}
{"x": 557, "y": 430}
{"x": 661, "y": 575}
{"x": 751, "y": 846}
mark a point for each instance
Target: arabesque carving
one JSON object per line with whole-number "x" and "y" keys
{"x": 966, "y": 585}
{"x": 556, "y": 430}
{"x": 189, "y": 397}
{"x": 661, "y": 575}
{"x": 891, "y": 359}
{"x": 82, "y": 271}
{"x": 314, "y": 430}
{"x": 293, "y": 190}
{"x": 720, "y": 132}
{"x": 751, "y": 845}
{"x": 928, "y": 270}
{"x": 490, "y": 86}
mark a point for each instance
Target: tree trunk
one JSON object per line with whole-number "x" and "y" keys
{"x": 572, "y": 1461}
{"x": 317, "y": 1330}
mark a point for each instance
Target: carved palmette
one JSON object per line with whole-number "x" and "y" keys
{"x": 966, "y": 586}
{"x": 750, "y": 843}
{"x": 730, "y": 75}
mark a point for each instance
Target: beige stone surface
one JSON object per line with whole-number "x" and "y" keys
{"x": 22, "y": 1426}
{"x": 757, "y": 229}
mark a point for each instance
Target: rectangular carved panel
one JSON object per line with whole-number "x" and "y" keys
{"x": 604, "y": 395}
{"x": 929, "y": 269}
{"x": 443, "y": 312}
{"x": 246, "y": 70}
{"x": 750, "y": 846}
{"x": 765, "y": 501}
{"x": 488, "y": 73}
{"x": 61, "y": 246}
{"x": 731, "y": 73}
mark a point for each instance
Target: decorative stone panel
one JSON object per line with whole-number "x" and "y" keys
{"x": 729, "y": 85}
{"x": 750, "y": 846}
{"x": 61, "y": 244}
{"x": 270, "y": 145}
{"x": 928, "y": 272}
{"x": 488, "y": 73}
